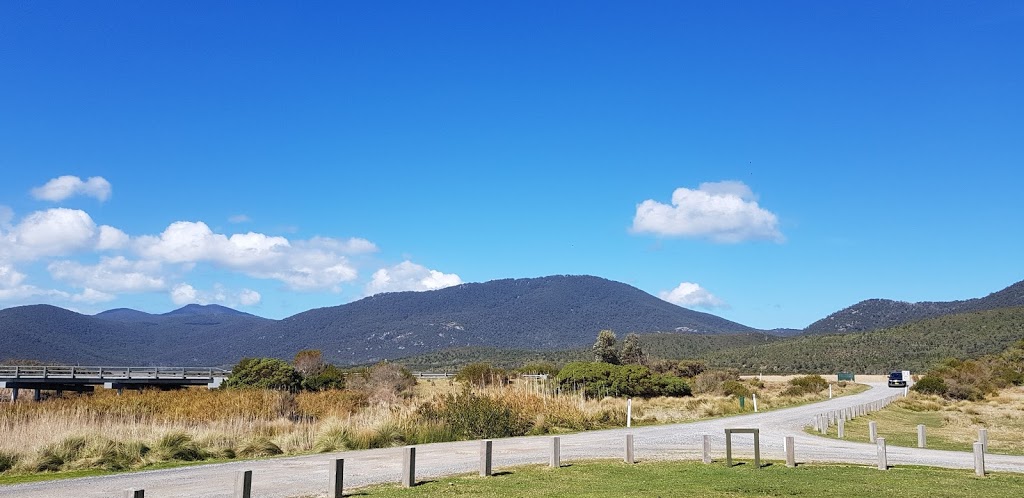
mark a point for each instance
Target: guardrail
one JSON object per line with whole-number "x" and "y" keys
{"x": 114, "y": 373}
{"x": 433, "y": 375}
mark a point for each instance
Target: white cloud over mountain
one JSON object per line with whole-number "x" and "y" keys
{"x": 183, "y": 294}
{"x": 691, "y": 295}
{"x": 112, "y": 274}
{"x": 409, "y": 276}
{"x": 63, "y": 187}
{"x": 725, "y": 212}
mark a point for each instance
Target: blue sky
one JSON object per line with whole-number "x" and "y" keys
{"x": 769, "y": 162}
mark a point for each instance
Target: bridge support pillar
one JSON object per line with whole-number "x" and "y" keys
{"x": 38, "y": 394}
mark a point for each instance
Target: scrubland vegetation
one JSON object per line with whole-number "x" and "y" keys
{"x": 379, "y": 407}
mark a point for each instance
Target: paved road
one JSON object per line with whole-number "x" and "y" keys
{"x": 307, "y": 475}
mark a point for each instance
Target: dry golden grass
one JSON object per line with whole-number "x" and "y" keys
{"x": 950, "y": 424}
{"x": 136, "y": 429}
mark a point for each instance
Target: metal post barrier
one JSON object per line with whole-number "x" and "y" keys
{"x": 243, "y": 484}
{"x": 485, "y": 457}
{"x": 336, "y": 478}
{"x": 409, "y": 467}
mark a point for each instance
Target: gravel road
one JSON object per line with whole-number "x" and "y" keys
{"x": 308, "y": 475}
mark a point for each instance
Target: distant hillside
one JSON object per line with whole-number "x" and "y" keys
{"x": 876, "y": 314}
{"x": 549, "y": 313}
{"x": 915, "y": 346}
{"x": 557, "y": 312}
{"x": 661, "y": 346}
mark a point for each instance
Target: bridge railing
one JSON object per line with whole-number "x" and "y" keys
{"x": 88, "y": 372}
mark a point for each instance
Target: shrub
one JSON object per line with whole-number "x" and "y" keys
{"x": 7, "y": 461}
{"x": 735, "y": 388}
{"x": 327, "y": 377}
{"x": 472, "y": 416}
{"x": 604, "y": 379}
{"x": 383, "y": 383}
{"x": 538, "y": 368}
{"x": 179, "y": 446}
{"x": 931, "y": 384}
{"x": 259, "y": 447}
{"x": 712, "y": 381}
{"x": 481, "y": 375}
{"x": 808, "y": 384}
{"x": 264, "y": 373}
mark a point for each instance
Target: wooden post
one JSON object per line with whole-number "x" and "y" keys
{"x": 883, "y": 461}
{"x": 336, "y": 479}
{"x": 409, "y": 467}
{"x": 556, "y": 453}
{"x": 485, "y": 457}
{"x": 134, "y": 493}
{"x": 707, "y": 448}
{"x": 979, "y": 459}
{"x": 243, "y": 484}
{"x": 983, "y": 439}
{"x": 921, "y": 442}
{"x": 790, "y": 452}
{"x": 873, "y": 431}
{"x": 629, "y": 449}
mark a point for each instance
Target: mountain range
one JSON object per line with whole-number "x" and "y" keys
{"x": 539, "y": 314}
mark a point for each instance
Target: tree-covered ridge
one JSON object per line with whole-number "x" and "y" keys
{"x": 874, "y": 314}
{"x": 915, "y": 346}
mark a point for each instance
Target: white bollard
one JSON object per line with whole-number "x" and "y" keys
{"x": 556, "y": 452}
{"x": 983, "y": 439}
{"x": 409, "y": 467}
{"x": 629, "y": 412}
{"x": 979, "y": 459}
{"x": 755, "y": 402}
{"x": 629, "y": 449}
{"x": 830, "y": 391}
{"x": 336, "y": 478}
{"x": 243, "y": 484}
{"x": 790, "y": 452}
{"x": 873, "y": 431}
{"x": 842, "y": 429}
{"x": 921, "y": 441}
{"x": 883, "y": 460}
{"x": 707, "y": 449}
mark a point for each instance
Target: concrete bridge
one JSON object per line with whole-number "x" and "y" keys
{"x": 86, "y": 379}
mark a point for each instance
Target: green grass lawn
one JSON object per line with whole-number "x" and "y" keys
{"x": 673, "y": 479}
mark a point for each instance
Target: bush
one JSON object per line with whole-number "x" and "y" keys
{"x": 605, "y": 379}
{"x": 472, "y": 416}
{"x": 539, "y": 368}
{"x": 7, "y": 461}
{"x": 735, "y": 388}
{"x": 259, "y": 447}
{"x": 383, "y": 383}
{"x": 264, "y": 373}
{"x": 179, "y": 446}
{"x": 481, "y": 374}
{"x": 808, "y": 384}
{"x": 931, "y": 384}
{"x": 712, "y": 381}
{"x": 327, "y": 377}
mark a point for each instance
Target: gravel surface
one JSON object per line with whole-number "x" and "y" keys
{"x": 308, "y": 475}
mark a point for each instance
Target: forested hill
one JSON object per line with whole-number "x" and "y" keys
{"x": 557, "y": 312}
{"x": 876, "y": 314}
{"x": 916, "y": 346}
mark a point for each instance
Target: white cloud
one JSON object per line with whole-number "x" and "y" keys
{"x": 62, "y": 187}
{"x": 183, "y": 294}
{"x": 724, "y": 212}
{"x": 49, "y": 233}
{"x": 249, "y": 297}
{"x": 317, "y": 264}
{"x": 92, "y": 296}
{"x": 9, "y": 277}
{"x": 239, "y": 218}
{"x": 409, "y": 276}
{"x": 689, "y": 294}
{"x": 116, "y": 274}
{"x": 111, "y": 238}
